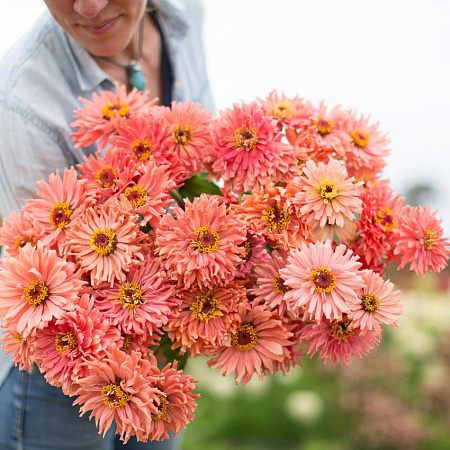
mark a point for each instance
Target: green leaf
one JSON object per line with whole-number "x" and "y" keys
{"x": 198, "y": 185}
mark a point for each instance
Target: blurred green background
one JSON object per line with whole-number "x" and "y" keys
{"x": 397, "y": 397}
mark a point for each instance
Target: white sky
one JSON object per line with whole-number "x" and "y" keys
{"x": 386, "y": 58}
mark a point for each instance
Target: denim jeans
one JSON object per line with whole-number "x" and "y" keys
{"x": 37, "y": 416}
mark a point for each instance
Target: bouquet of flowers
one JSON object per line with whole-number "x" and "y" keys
{"x": 136, "y": 259}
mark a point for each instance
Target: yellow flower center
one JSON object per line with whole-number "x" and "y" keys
{"x": 136, "y": 195}
{"x": 182, "y": 135}
{"x": 386, "y": 219}
{"x": 245, "y": 337}
{"x": 18, "y": 338}
{"x": 341, "y": 330}
{"x": 36, "y": 292}
{"x": 324, "y": 279}
{"x": 24, "y": 240}
{"x": 162, "y": 408}
{"x": 114, "y": 396}
{"x": 360, "y": 138}
{"x": 130, "y": 295}
{"x": 246, "y": 138}
{"x": 277, "y": 218}
{"x": 205, "y": 240}
{"x": 328, "y": 191}
{"x": 106, "y": 176}
{"x": 112, "y": 109}
{"x": 279, "y": 286}
{"x": 282, "y": 110}
{"x": 103, "y": 241}
{"x": 142, "y": 149}
{"x": 324, "y": 126}
{"x": 206, "y": 307}
{"x": 65, "y": 342}
{"x": 60, "y": 215}
{"x": 370, "y": 303}
{"x": 429, "y": 238}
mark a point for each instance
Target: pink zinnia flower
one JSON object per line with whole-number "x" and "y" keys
{"x": 176, "y": 403}
{"x": 378, "y": 302}
{"x": 327, "y": 193}
{"x": 17, "y": 231}
{"x": 105, "y": 243}
{"x": 120, "y": 388}
{"x": 36, "y": 288}
{"x": 337, "y": 340}
{"x": 191, "y": 139}
{"x": 106, "y": 113}
{"x": 260, "y": 341}
{"x": 58, "y": 205}
{"x": 206, "y": 317}
{"x": 322, "y": 281}
{"x": 62, "y": 346}
{"x": 141, "y": 303}
{"x": 20, "y": 349}
{"x": 419, "y": 241}
{"x": 201, "y": 244}
{"x": 249, "y": 149}
{"x": 254, "y": 253}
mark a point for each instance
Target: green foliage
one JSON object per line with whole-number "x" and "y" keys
{"x": 198, "y": 185}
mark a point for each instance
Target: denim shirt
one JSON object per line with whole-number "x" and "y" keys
{"x": 41, "y": 78}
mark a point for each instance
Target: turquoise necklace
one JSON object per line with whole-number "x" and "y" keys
{"x": 135, "y": 75}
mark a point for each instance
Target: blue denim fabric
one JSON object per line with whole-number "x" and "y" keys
{"x": 37, "y": 416}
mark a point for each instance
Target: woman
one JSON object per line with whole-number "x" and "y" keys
{"x": 76, "y": 48}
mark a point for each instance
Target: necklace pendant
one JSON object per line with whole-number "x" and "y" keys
{"x": 136, "y": 76}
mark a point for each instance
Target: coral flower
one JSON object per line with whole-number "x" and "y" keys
{"x": 328, "y": 194}
{"x": 106, "y": 113}
{"x": 200, "y": 245}
{"x": 206, "y": 317}
{"x": 269, "y": 286}
{"x": 61, "y": 347}
{"x": 20, "y": 349}
{"x": 120, "y": 388}
{"x": 17, "y": 231}
{"x": 419, "y": 241}
{"x": 58, "y": 205}
{"x": 36, "y": 288}
{"x": 249, "y": 149}
{"x": 322, "y": 280}
{"x": 259, "y": 342}
{"x": 176, "y": 403}
{"x": 191, "y": 139}
{"x": 378, "y": 303}
{"x": 141, "y": 303}
{"x": 105, "y": 243}
{"x": 254, "y": 253}
{"x": 337, "y": 340}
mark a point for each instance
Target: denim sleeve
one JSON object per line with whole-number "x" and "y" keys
{"x": 27, "y": 153}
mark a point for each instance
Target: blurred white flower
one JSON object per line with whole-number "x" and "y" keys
{"x": 304, "y": 406}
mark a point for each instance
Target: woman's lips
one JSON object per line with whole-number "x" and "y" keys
{"x": 101, "y": 28}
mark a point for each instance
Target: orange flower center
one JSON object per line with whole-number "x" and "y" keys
{"x": 360, "y": 138}
{"x": 429, "y": 238}
{"x": 245, "y": 337}
{"x": 246, "y": 138}
{"x": 162, "y": 408}
{"x": 114, "y": 396}
{"x": 206, "y": 241}
{"x": 206, "y": 307}
{"x": 341, "y": 330}
{"x": 65, "y": 342}
{"x": 247, "y": 251}
{"x": 112, "y": 109}
{"x": 18, "y": 338}
{"x": 24, "y": 240}
{"x": 324, "y": 279}
{"x": 126, "y": 342}
{"x": 103, "y": 241}
{"x": 282, "y": 110}
{"x": 36, "y": 292}
{"x": 277, "y": 218}
{"x": 136, "y": 195}
{"x": 328, "y": 191}
{"x": 106, "y": 176}
{"x": 370, "y": 303}
{"x": 142, "y": 149}
{"x": 324, "y": 126}
{"x": 182, "y": 135}
{"x": 60, "y": 215}
{"x": 279, "y": 286}
{"x": 130, "y": 295}
{"x": 386, "y": 219}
